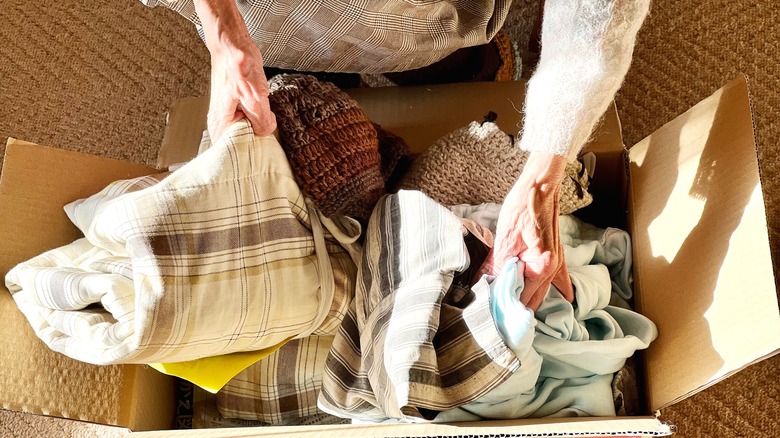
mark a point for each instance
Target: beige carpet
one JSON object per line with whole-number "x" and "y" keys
{"x": 98, "y": 76}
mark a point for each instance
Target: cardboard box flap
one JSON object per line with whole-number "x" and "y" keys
{"x": 430, "y": 112}
{"x": 540, "y": 427}
{"x": 35, "y": 184}
{"x": 702, "y": 265}
{"x": 184, "y": 128}
{"x": 422, "y": 114}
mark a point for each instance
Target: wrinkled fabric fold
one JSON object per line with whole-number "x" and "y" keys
{"x": 569, "y": 351}
{"x": 214, "y": 258}
{"x": 417, "y": 339}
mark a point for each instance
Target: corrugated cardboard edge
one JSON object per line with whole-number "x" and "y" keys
{"x": 546, "y": 427}
{"x": 737, "y": 354}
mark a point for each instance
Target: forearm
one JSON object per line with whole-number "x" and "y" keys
{"x": 223, "y": 26}
{"x": 586, "y": 51}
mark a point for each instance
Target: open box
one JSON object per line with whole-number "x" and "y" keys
{"x": 693, "y": 205}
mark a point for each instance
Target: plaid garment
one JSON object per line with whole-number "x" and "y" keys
{"x": 417, "y": 339}
{"x": 361, "y": 36}
{"x": 282, "y": 387}
{"x": 214, "y": 258}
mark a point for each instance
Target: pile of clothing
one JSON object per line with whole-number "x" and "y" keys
{"x": 294, "y": 279}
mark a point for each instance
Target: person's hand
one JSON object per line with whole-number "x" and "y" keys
{"x": 528, "y": 229}
{"x": 239, "y": 87}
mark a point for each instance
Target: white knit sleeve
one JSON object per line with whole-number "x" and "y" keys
{"x": 586, "y": 51}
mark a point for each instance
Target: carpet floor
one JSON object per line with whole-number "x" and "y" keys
{"x": 98, "y": 77}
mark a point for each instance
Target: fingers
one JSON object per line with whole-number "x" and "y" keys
{"x": 221, "y": 116}
{"x": 535, "y": 288}
{"x": 538, "y": 281}
{"x": 239, "y": 89}
{"x": 258, "y": 112}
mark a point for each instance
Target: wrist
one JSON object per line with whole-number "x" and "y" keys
{"x": 224, "y": 29}
{"x": 544, "y": 168}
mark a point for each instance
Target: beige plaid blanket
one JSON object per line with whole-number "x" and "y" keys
{"x": 361, "y": 36}
{"x": 220, "y": 256}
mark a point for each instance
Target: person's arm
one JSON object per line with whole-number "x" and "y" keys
{"x": 586, "y": 51}
{"x": 239, "y": 87}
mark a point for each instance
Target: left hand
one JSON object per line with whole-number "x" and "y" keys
{"x": 238, "y": 84}
{"x": 528, "y": 229}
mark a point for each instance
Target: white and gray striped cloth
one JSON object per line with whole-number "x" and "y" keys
{"x": 362, "y": 36}
{"x": 417, "y": 340}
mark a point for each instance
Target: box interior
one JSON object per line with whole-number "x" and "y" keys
{"x": 37, "y": 181}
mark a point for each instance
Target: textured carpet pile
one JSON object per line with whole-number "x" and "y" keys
{"x": 98, "y": 77}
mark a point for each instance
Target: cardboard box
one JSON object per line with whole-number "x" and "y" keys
{"x": 692, "y": 202}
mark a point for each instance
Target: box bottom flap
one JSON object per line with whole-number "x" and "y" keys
{"x": 702, "y": 266}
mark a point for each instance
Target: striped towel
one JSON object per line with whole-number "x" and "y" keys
{"x": 219, "y": 256}
{"x": 417, "y": 340}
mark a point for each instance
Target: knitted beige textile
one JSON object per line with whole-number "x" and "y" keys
{"x": 480, "y": 163}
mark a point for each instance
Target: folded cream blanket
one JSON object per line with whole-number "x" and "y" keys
{"x": 222, "y": 255}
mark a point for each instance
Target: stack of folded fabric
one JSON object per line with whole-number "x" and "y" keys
{"x": 287, "y": 276}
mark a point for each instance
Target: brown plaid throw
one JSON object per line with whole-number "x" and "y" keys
{"x": 214, "y": 258}
{"x": 361, "y": 36}
{"x": 280, "y": 388}
{"x": 417, "y": 340}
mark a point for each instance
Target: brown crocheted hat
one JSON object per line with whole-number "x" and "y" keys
{"x": 333, "y": 148}
{"x": 480, "y": 163}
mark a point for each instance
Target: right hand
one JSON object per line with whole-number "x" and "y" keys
{"x": 239, "y": 89}
{"x": 528, "y": 229}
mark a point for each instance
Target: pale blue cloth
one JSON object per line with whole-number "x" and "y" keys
{"x": 568, "y": 352}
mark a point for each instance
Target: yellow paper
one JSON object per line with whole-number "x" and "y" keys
{"x": 212, "y": 373}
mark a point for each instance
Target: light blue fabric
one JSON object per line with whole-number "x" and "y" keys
{"x": 610, "y": 247}
{"x": 568, "y": 352}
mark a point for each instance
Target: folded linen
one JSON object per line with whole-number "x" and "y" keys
{"x": 223, "y": 255}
